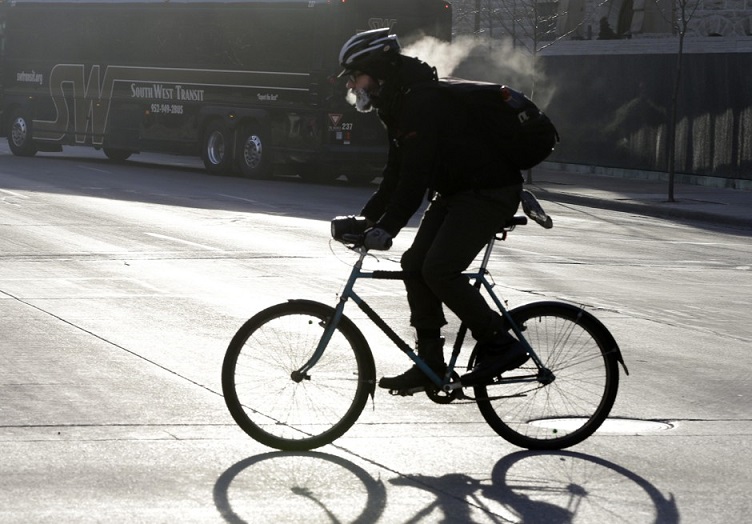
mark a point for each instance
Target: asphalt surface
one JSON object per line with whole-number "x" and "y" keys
{"x": 115, "y": 467}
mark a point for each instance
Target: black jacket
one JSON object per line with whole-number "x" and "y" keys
{"x": 433, "y": 145}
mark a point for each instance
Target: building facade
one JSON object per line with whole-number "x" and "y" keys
{"x": 547, "y": 20}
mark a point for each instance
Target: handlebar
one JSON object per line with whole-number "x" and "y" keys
{"x": 348, "y": 229}
{"x": 351, "y": 229}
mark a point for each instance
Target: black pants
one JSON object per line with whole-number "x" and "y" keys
{"x": 452, "y": 232}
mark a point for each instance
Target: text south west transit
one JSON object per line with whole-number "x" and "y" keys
{"x": 159, "y": 91}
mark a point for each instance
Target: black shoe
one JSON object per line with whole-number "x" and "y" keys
{"x": 412, "y": 378}
{"x": 431, "y": 351}
{"x": 494, "y": 359}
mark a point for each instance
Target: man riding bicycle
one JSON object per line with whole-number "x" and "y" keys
{"x": 434, "y": 148}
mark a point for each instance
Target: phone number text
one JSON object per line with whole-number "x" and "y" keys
{"x": 171, "y": 109}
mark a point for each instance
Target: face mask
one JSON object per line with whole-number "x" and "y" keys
{"x": 360, "y": 99}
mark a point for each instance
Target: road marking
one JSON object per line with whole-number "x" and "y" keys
{"x": 272, "y": 207}
{"x": 181, "y": 241}
{"x": 88, "y": 168}
{"x": 12, "y": 193}
{"x": 238, "y": 198}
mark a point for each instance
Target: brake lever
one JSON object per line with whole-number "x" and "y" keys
{"x": 352, "y": 238}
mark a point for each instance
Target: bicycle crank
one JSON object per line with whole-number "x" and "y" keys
{"x": 448, "y": 393}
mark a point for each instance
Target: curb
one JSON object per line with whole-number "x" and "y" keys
{"x": 652, "y": 210}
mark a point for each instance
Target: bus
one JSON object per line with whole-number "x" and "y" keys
{"x": 249, "y": 86}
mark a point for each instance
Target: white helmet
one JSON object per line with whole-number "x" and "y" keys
{"x": 369, "y": 52}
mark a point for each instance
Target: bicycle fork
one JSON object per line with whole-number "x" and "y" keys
{"x": 330, "y": 324}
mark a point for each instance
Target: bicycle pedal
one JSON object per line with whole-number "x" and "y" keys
{"x": 409, "y": 392}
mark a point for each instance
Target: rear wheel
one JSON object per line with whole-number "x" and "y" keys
{"x": 19, "y": 135}
{"x": 253, "y": 155}
{"x": 564, "y": 404}
{"x": 268, "y": 396}
{"x": 216, "y": 151}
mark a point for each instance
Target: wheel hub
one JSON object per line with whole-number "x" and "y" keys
{"x": 252, "y": 151}
{"x": 215, "y": 149}
{"x": 19, "y": 132}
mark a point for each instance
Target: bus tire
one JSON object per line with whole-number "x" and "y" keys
{"x": 317, "y": 173}
{"x": 19, "y": 135}
{"x": 253, "y": 156}
{"x": 216, "y": 150}
{"x": 117, "y": 155}
{"x": 360, "y": 179}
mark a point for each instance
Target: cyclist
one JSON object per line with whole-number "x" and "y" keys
{"x": 434, "y": 148}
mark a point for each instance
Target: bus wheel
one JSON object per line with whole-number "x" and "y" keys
{"x": 217, "y": 149}
{"x": 19, "y": 135}
{"x": 360, "y": 179}
{"x": 317, "y": 174}
{"x": 253, "y": 159}
{"x": 117, "y": 155}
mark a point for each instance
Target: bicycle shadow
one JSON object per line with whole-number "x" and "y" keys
{"x": 554, "y": 487}
{"x": 311, "y": 486}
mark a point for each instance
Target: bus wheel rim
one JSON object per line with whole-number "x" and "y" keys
{"x": 19, "y": 132}
{"x": 215, "y": 148}
{"x": 252, "y": 152}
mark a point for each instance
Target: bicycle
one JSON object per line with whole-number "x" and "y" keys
{"x": 297, "y": 375}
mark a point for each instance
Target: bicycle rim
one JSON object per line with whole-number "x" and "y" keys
{"x": 583, "y": 359}
{"x": 283, "y": 413}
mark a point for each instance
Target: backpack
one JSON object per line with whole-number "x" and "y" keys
{"x": 524, "y": 133}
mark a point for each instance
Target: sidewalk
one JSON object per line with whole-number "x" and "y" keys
{"x": 729, "y": 207}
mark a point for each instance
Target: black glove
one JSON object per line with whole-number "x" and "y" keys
{"x": 377, "y": 238}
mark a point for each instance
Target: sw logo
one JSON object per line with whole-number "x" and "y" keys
{"x": 380, "y": 23}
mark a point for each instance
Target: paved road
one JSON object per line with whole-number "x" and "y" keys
{"x": 120, "y": 287}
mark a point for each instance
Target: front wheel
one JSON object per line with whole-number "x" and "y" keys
{"x": 360, "y": 179}
{"x": 19, "y": 135}
{"x": 566, "y": 402}
{"x": 268, "y": 397}
{"x": 117, "y": 155}
{"x": 317, "y": 173}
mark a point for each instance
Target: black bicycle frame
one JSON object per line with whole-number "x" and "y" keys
{"x": 480, "y": 280}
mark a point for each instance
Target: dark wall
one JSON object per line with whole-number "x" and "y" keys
{"x": 612, "y": 110}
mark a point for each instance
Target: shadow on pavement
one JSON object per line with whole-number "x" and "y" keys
{"x": 525, "y": 487}
{"x": 552, "y": 487}
{"x": 298, "y": 486}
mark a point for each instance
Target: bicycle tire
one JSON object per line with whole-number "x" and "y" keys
{"x": 583, "y": 357}
{"x": 290, "y": 415}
